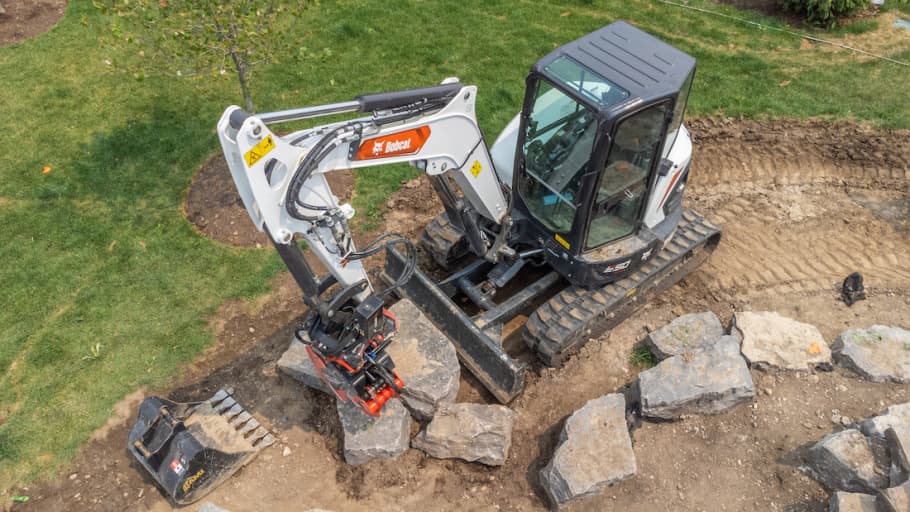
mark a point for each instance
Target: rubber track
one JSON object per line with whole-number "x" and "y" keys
{"x": 443, "y": 241}
{"x": 562, "y": 325}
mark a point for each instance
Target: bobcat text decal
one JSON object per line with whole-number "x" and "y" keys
{"x": 192, "y": 480}
{"x": 395, "y": 144}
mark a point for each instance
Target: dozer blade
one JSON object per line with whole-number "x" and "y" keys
{"x": 189, "y": 449}
{"x": 566, "y": 321}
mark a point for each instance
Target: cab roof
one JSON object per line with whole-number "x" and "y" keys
{"x": 641, "y": 64}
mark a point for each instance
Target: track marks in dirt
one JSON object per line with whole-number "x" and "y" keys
{"x": 782, "y": 195}
{"x": 782, "y": 151}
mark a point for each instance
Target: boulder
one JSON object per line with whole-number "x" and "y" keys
{"x": 296, "y": 363}
{"x": 879, "y": 353}
{"x": 898, "y": 440}
{"x": 471, "y": 432}
{"x": 425, "y": 359}
{"x": 846, "y": 461}
{"x": 876, "y": 426}
{"x": 896, "y": 499}
{"x": 771, "y": 340}
{"x": 367, "y": 438}
{"x": 685, "y": 334}
{"x": 594, "y": 451}
{"x": 852, "y": 502}
{"x": 708, "y": 381}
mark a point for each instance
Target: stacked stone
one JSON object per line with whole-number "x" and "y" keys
{"x": 868, "y": 466}
{"x": 426, "y": 360}
{"x": 701, "y": 370}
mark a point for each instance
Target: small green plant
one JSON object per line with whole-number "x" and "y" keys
{"x": 94, "y": 352}
{"x": 642, "y": 357}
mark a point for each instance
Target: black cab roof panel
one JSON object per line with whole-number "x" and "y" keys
{"x": 634, "y": 60}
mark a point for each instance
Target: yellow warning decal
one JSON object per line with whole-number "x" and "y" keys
{"x": 259, "y": 150}
{"x": 562, "y": 241}
{"x": 476, "y": 168}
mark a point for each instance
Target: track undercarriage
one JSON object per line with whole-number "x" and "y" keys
{"x": 561, "y": 317}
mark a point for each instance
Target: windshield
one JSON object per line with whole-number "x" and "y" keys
{"x": 559, "y": 139}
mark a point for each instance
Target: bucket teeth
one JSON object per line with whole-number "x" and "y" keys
{"x": 241, "y": 419}
{"x": 233, "y": 411}
{"x": 218, "y": 397}
{"x": 225, "y": 404}
{"x": 264, "y": 441}
{"x": 249, "y": 427}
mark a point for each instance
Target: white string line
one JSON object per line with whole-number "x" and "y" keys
{"x": 804, "y": 36}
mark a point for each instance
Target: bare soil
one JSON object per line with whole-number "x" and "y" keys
{"x": 802, "y": 204}
{"x": 25, "y": 19}
{"x": 215, "y": 209}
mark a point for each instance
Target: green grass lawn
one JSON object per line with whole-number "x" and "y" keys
{"x": 106, "y": 287}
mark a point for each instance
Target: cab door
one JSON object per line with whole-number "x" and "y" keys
{"x": 624, "y": 182}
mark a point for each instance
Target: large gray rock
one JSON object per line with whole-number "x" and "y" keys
{"x": 425, "y": 359}
{"x": 896, "y": 499}
{"x": 852, "y": 502}
{"x": 296, "y": 363}
{"x": 685, "y": 334}
{"x": 879, "y": 353}
{"x": 771, "y": 340}
{"x": 472, "y": 432}
{"x": 846, "y": 461}
{"x": 898, "y": 437}
{"x": 594, "y": 451}
{"x": 367, "y": 438}
{"x": 896, "y": 415}
{"x": 708, "y": 381}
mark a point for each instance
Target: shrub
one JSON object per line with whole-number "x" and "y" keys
{"x": 824, "y": 12}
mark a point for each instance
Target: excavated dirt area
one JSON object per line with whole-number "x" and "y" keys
{"x": 24, "y": 19}
{"x": 802, "y": 205}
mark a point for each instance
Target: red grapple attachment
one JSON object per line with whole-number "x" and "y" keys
{"x": 358, "y": 370}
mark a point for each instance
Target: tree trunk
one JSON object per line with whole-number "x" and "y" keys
{"x": 241, "y": 67}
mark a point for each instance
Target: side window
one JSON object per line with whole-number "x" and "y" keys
{"x": 624, "y": 182}
{"x": 678, "y": 112}
{"x": 558, "y": 143}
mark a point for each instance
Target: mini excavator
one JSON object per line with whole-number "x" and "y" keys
{"x": 573, "y": 217}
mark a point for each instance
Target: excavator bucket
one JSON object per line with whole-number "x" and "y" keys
{"x": 190, "y": 448}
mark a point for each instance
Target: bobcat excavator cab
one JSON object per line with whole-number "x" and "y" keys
{"x": 572, "y": 219}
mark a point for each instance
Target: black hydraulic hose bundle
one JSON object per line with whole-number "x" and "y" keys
{"x": 316, "y": 154}
{"x": 389, "y": 240}
{"x": 309, "y": 163}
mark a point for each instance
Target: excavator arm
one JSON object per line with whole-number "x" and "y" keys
{"x": 281, "y": 180}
